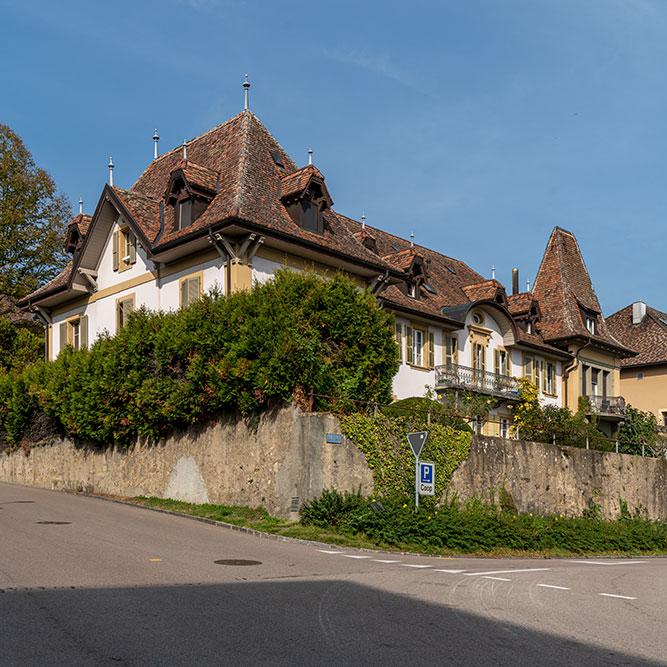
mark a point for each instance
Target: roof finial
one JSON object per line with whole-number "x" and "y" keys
{"x": 185, "y": 150}
{"x": 493, "y": 273}
{"x": 246, "y": 85}
{"x": 155, "y": 140}
{"x": 111, "y": 165}
{"x": 412, "y": 239}
{"x": 363, "y": 221}
{"x": 527, "y": 285}
{"x": 310, "y": 156}
{"x": 80, "y": 205}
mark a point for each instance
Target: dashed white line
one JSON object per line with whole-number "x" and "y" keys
{"x": 324, "y": 551}
{"x": 379, "y": 560}
{"x": 597, "y": 562}
{"x": 451, "y": 571}
{"x": 352, "y": 556}
{"x": 560, "y": 588}
{"x": 496, "y": 578}
{"x": 410, "y": 565}
{"x": 481, "y": 574}
{"x": 622, "y": 597}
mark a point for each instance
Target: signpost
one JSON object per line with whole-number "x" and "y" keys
{"x": 416, "y": 442}
{"x": 426, "y": 478}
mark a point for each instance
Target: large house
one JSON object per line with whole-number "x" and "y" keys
{"x": 230, "y": 207}
{"x": 644, "y": 377}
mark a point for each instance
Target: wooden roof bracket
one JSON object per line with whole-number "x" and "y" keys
{"x": 90, "y": 276}
{"x": 379, "y": 283}
{"x": 253, "y": 249}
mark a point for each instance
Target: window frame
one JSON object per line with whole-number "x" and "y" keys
{"x": 192, "y": 276}
{"x": 121, "y": 316}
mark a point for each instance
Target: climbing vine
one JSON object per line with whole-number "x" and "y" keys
{"x": 388, "y": 454}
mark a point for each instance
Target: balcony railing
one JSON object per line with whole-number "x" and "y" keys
{"x": 453, "y": 376}
{"x": 607, "y": 405}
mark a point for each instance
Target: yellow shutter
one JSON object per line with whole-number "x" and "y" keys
{"x": 194, "y": 289}
{"x": 115, "y": 251}
{"x": 528, "y": 368}
{"x": 83, "y": 331}
{"x": 408, "y": 351}
{"x": 398, "y": 336}
{"x": 431, "y": 350}
{"x": 133, "y": 247}
{"x": 63, "y": 335}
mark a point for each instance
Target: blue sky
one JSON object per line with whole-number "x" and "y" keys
{"x": 478, "y": 125}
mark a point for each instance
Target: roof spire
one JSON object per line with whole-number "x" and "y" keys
{"x": 412, "y": 239}
{"x": 246, "y": 85}
{"x": 80, "y": 205}
{"x": 111, "y": 165}
{"x": 185, "y": 150}
{"x": 155, "y": 140}
{"x": 493, "y": 273}
{"x": 363, "y": 221}
{"x": 310, "y": 156}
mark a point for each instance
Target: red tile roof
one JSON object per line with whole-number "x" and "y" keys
{"x": 487, "y": 289}
{"x": 82, "y": 222}
{"x": 298, "y": 181}
{"x": 562, "y": 287}
{"x": 520, "y": 303}
{"x": 195, "y": 174}
{"x": 649, "y": 338}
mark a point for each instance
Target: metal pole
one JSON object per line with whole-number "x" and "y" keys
{"x": 617, "y": 446}
{"x": 416, "y": 481}
{"x": 428, "y": 417}
{"x": 553, "y": 438}
{"x": 587, "y": 443}
{"x": 643, "y": 449}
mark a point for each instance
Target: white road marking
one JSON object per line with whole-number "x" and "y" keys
{"x": 620, "y": 562}
{"x": 451, "y": 571}
{"x": 379, "y": 560}
{"x": 324, "y": 551}
{"x": 496, "y": 578}
{"x": 560, "y": 588}
{"x": 611, "y": 595}
{"x": 410, "y": 565}
{"x": 351, "y": 556}
{"x": 481, "y": 574}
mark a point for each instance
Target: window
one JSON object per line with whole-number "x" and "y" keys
{"x": 184, "y": 213}
{"x": 451, "y": 350}
{"x": 529, "y": 327}
{"x": 420, "y": 347}
{"x": 595, "y": 373}
{"x": 124, "y": 306}
{"x": 549, "y": 379}
{"x": 640, "y": 375}
{"x": 664, "y": 418}
{"x": 74, "y": 332}
{"x": 124, "y": 249}
{"x": 477, "y": 425}
{"x": 502, "y": 362}
{"x": 504, "y": 427}
{"x": 398, "y": 337}
{"x": 478, "y": 318}
{"x": 590, "y": 325}
{"x": 529, "y": 367}
{"x": 412, "y": 292}
{"x": 191, "y": 288}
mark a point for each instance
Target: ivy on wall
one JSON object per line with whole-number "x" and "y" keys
{"x": 383, "y": 441}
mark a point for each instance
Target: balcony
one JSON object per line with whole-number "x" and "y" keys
{"x": 453, "y": 376}
{"x": 608, "y": 406}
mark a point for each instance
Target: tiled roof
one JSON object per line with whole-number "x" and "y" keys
{"x": 195, "y": 174}
{"x": 562, "y": 286}
{"x": 144, "y": 211}
{"x": 59, "y": 281}
{"x": 11, "y": 312}
{"x": 520, "y": 303}
{"x": 402, "y": 259}
{"x": 486, "y": 289}
{"x": 82, "y": 223}
{"x": 297, "y": 182}
{"x": 649, "y": 338}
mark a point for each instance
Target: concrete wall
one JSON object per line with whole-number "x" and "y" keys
{"x": 552, "y": 479}
{"x": 286, "y": 457}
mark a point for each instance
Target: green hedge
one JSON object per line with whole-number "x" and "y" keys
{"x": 479, "y": 527}
{"x": 296, "y": 336}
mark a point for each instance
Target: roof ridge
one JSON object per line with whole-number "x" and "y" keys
{"x": 243, "y": 159}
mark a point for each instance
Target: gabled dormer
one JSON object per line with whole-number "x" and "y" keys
{"x": 76, "y": 232}
{"x": 490, "y": 290}
{"x": 412, "y": 263}
{"x": 190, "y": 190}
{"x": 306, "y": 198}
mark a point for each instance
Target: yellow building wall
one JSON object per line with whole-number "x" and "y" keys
{"x": 591, "y": 357}
{"x": 649, "y": 394}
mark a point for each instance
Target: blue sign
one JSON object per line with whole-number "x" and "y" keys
{"x": 426, "y": 478}
{"x": 334, "y": 438}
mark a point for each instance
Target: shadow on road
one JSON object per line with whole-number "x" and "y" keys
{"x": 268, "y": 623}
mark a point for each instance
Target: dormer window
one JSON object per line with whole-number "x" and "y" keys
{"x": 306, "y": 198}
{"x": 590, "y": 325}
{"x": 190, "y": 191}
{"x": 529, "y": 327}
{"x": 183, "y": 213}
{"x": 412, "y": 290}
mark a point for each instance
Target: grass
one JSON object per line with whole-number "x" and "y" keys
{"x": 259, "y": 519}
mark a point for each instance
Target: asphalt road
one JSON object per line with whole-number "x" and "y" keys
{"x": 84, "y": 581}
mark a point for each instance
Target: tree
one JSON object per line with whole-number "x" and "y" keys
{"x": 33, "y": 219}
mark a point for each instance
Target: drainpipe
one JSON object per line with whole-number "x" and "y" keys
{"x": 572, "y": 366}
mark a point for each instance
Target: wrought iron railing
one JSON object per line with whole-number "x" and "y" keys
{"x": 471, "y": 379}
{"x": 607, "y": 405}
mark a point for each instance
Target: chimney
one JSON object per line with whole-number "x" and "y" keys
{"x": 515, "y": 281}
{"x": 638, "y": 312}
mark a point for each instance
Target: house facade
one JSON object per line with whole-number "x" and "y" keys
{"x": 643, "y": 377}
{"x": 230, "y": 207}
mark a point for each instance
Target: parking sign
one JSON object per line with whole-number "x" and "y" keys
{"x": 426, "y": 478}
